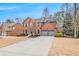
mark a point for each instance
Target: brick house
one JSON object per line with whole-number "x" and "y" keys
{"x": 38, "y": 27}
{"x": 31, "y": 26}
{"x": 16, "y": 29}
{"x": 12, "y": 29}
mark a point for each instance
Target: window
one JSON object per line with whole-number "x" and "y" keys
{"x": 26, "y": 25}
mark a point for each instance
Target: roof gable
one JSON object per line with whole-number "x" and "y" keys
{"x": 28, "y": 20}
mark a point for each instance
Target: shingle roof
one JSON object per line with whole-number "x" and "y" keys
{"x": 49, "y": 26}
{"x": 28, "y": 20}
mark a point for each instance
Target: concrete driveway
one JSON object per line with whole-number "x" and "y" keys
{"x": 38, "y": 46}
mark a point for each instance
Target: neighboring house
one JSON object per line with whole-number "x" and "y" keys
{"x": 16, "y": 29}
{"x": 0, "y": 30}
{"x": 6, "y": 27}
{"x": 48, "y": 29}
{"x": 10, "y": 28}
